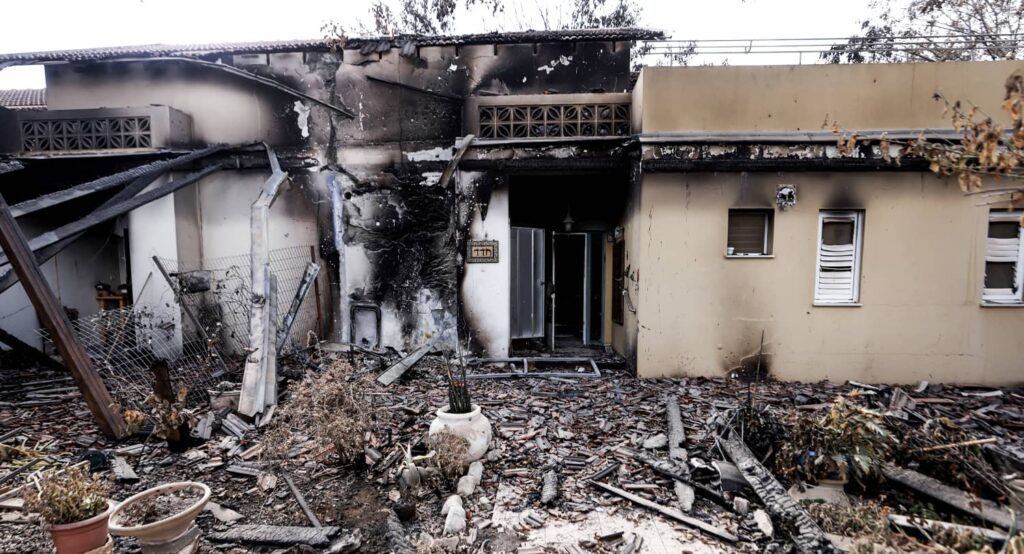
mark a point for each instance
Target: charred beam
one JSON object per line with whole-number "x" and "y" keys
{"x": 7, "y": 280}
{"x": 548, "y": 165}
{"x": 148, "y": 171}
{"x": 782, "y": 164}
{"x": 101, "y": 216}
{"x": 52, "y": 315}
{"x": 783, "y": 507}
{"x": 442, "y": 95}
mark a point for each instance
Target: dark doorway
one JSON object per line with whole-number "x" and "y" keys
{"x": 570, "y": 287}
{"x": 573, "y": 216}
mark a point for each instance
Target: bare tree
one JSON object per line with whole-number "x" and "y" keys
{"x": 986, "y": 150}
{"x": 936, "y": 30}
{"x": 434, "y": 17}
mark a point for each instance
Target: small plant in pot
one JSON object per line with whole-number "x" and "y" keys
{"x": 461, "y": 418}
{"x": 74, "y": 508}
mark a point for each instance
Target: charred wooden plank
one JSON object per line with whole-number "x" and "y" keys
{"x": 52, "y": 315}
{"x": 284, "y": 535}
{"x": 985, "y": 510}
{"x": 805, "y": 532}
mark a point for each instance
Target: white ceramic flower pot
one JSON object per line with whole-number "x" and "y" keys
{"x": 473, "y": 427}
{"x": 175, "y": 533}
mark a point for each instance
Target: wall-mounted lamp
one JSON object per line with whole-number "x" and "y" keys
{"x": 568, "y": 221}
{"x": 785, "y": 196}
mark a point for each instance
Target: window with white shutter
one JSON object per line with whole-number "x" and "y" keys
{"x": 838, "y": 260}
{"x": 1004, "y": 259}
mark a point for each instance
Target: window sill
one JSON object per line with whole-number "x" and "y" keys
{"x": 836, "y": 304}
{"x": 1002, "y": 304}
{"x": 750, "y": 256}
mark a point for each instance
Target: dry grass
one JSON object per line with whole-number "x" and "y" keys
{"x": 72, "y": 496}
{"x": 452, "y": 451}
{"x": 331, "y": 408}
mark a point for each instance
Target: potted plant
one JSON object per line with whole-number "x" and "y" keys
{"x": 74, "y": 508}
{"x": 162, "y": 518}
{"x": 462, "y": 418}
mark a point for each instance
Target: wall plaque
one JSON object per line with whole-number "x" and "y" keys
{"x": 482, "y": 252}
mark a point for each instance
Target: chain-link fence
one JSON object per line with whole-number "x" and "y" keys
{"x": 219, "y": 292}
{"x": 124, "y": 342}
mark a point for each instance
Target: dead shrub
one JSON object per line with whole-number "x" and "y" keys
{"x": 330, "y": 408}
{"x": 452, "y": 451}
{"x": 69, "y": 497}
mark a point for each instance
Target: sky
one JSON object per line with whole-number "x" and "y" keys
{"x": 62, "y": 24}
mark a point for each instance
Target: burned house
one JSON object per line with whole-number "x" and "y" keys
{"x": 511, "y": 193}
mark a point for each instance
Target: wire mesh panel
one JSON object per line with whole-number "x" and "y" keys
{"x": 123, "y": 344}
{"x": 219, "y": 291}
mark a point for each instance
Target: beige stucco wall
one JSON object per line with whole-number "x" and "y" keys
{"x": 920, "y": 315}
{"x": 774, "y": 98}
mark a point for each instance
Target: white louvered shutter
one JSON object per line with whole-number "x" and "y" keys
{"x": 838, "y": 258}
{"x": 1003, "y": 259}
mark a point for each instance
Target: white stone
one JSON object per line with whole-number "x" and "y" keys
{"x": 467, "y": 484}
{"x": 741, "y": 505}
{"x": 455, "y": 522}
{"x": 476, "y": 471}
{"x": 453, "y": 500}
{"x": 764, "y": 523}
{"x": 657, "y": 441}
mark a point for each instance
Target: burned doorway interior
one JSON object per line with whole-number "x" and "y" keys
{"x": 568, "y": 218}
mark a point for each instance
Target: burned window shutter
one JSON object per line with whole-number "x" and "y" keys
{"x": 1003, "y": 259}
{"x": 838, "y": 251}
{"x": 749, "y": 232}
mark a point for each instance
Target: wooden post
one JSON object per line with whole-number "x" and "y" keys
{"x": 52, "y": 315}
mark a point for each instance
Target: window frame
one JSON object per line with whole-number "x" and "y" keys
{"x": 1004, "y": 297}
{"x": 767, "y": 248}
{"x": 857, "y": 216}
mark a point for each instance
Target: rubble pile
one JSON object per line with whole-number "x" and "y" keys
{"x": 609, "y": 464}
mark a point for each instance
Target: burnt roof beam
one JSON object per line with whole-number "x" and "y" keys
{"x": 248, "y": 75}
{"x": 43, "y": 255}
{"x": 106, "y": 214}
{"x": 151, "y": 171}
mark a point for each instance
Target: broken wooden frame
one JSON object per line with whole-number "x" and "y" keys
{"x": 106, "y": 214}
{"x": 53, "y": 316}
{"x": 525, "y": 361}
{"x": 137, "y": 179}
{"x": 259, "y": 382}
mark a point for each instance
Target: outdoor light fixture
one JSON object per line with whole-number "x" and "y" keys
{"x": 785, "y": 196}
{"x": 568, "y": 221}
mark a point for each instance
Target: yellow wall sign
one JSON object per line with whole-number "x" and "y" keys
{"x": 482, "y": 252}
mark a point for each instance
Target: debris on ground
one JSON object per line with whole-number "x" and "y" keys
{"x": 607, "y": 464}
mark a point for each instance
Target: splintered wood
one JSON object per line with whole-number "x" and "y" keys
{"x": 806, "y": 533}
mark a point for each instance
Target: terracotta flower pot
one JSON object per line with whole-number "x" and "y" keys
{"x": 82, "y": 536}
{"x": 158, "y": 535}
{"x": 473, "y": 427}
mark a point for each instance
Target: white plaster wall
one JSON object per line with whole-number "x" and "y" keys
{"x": 225, "y": 206}
{"x": 485, "y": 289}
{"x": 71, "y": 275}
{"x": 152, "y": 231}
